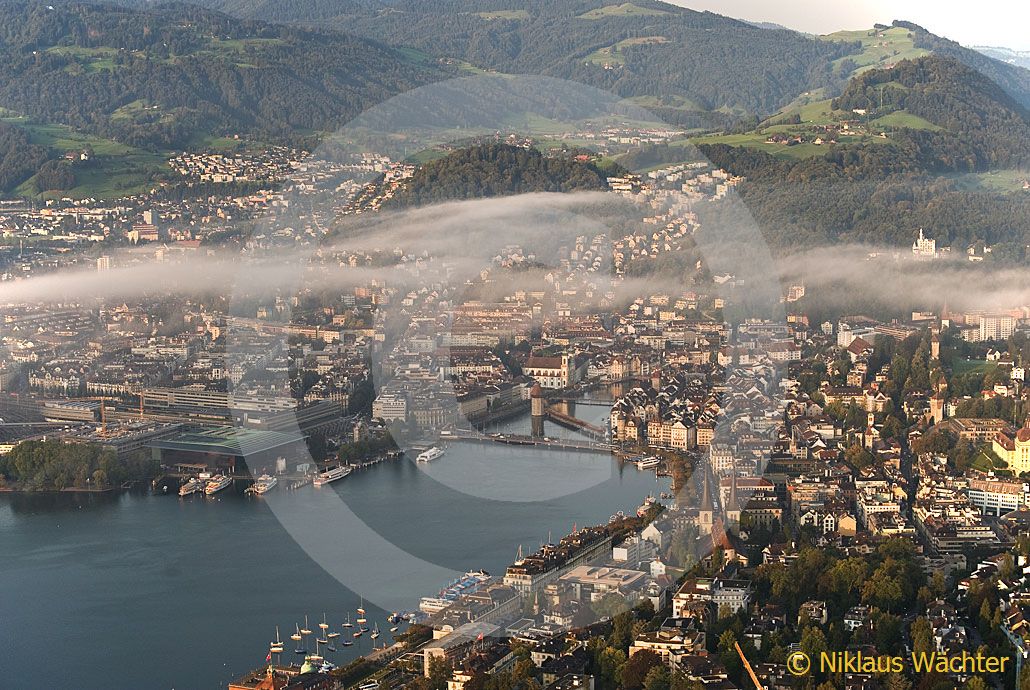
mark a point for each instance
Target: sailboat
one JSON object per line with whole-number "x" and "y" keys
{"x": 347, "y": 623}
{"x": 276, "y": 647}
{"x": 347, "y": 643}
{"x": 375, "y": 631}
{"x": 323, "y": 626}
{"x": 305, "y": 630}
{"x": 317, "y": 656}
{"x": 361, "y": 620}
{"x": 297, "y": 638}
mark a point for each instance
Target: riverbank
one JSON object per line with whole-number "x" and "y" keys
{"x": 65, "y": 490}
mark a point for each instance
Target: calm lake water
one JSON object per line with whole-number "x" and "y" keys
{"x": 148, "y": 591}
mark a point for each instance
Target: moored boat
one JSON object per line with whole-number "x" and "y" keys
{"x": 190, "y": 487}
{"x": 430, "y": 455}
{"x": 648, "y": 462}
{"x": 217, "y": 483}
{"x": 264, "y": 484}
{"x": 331, "y": 475}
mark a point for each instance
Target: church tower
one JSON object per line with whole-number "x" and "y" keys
{"x": 706, "y": 513}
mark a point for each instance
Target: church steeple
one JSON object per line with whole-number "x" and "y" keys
{"x": 732, "y": 503}
{"x": 705, "y": 512}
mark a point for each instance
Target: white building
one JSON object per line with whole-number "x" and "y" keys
{"x": 924, "y": 247}
{"x": 996, "y": 326}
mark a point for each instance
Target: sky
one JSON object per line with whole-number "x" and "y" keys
{"x": 1001, "y": 23}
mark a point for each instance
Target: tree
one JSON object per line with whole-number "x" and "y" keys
{"x": 610, "y": 606}
{"x": 858, "y": 457}
{"x": 636, "y": 669}
{"x": 658, "y": 678}
{"x": 922, "y": 636}
{"x": 440, "y": 671}
{"x": 622, "y": 630}
{"x": 883, "y": 589}
{"x": 728, "y": 652}
{"x": 896, "y": 681}
{"x": 609, "y": 665}
{"x": 813, "y": 642}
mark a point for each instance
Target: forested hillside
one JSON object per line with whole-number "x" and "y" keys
{"x": 952, "y": 96}
{"x": 1015, "y": 79}
{"x": 19, "y": 158}
{"x": 486, "y": 170}
{"x": 683, "y": 62}
{"x": 877, "y": 191}
{"x": 175, "y": 74}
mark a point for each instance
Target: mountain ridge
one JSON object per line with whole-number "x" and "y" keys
{"x": 156, "y": 77}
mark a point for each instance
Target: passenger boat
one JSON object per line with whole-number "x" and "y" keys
{"x": 430, "y": 455}
{"x": 332, "y": 475}
{"x": 647, "y": 463}
{"x": 264, "y": 484}
{"x": 190, "y": 487}
{"x": 217, "y": 483}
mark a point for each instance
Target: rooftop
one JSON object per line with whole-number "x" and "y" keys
{"x": 227, "y": 441}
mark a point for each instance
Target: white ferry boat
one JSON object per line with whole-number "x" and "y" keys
{"x": 190, "y": 487}
{"x": 264, "y": 484}
{"x": 430, "y": 455}
{"x": 648, "y": 462}
{"x": 331, "y": 475}
{"x": 217, "y": 483}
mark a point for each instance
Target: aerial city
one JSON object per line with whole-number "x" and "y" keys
{"x": 514, "y": 345}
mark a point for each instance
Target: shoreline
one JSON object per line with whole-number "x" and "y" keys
{"x": 66, "y": 490}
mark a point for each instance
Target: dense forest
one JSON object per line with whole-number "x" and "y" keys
{"x": 168, "y": 76}
{"x": 646, "y": 48}
{"x": 880, "y": 191}
{"x": 708, "y": 59}
{"x": 1014, "y": 79}
{"x": 55, "y": 465}
{"x": 952, "y": 96}
{"x": 486, "y": 170}
{"x": 888, "y": 211}
{"x": 869, "y": 194}
{"x": 19, "y": 157}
